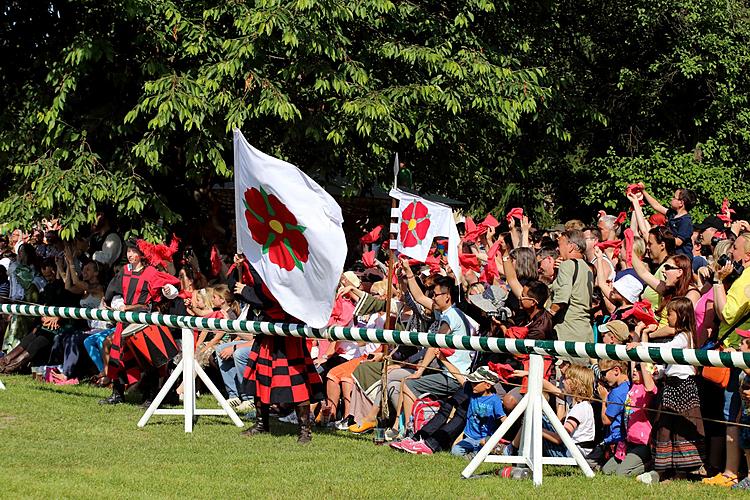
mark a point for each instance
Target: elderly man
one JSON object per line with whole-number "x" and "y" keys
{"x": 572, "y": 290}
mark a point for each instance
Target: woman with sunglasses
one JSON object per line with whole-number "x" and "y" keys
{"x": 677, "y": 281}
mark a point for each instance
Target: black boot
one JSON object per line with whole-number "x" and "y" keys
{"x": 261, "y": 420}
{"x": 118, "y": 394}
{"x": 305, "y": 429}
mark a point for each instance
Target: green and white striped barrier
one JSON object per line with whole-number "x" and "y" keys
{"x": 584, "y": 350}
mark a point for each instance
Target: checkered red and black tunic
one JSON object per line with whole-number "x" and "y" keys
{"x": 280, "y": 370}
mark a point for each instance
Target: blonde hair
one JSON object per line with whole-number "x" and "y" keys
{"x": 606, "y": 364}
{"x": 379, "y": 288}
{"x": 581, "y": 381}
{"x": 576, "y": 224}
{"x": 639, "y": 246}
{"x": 224, "y": 292}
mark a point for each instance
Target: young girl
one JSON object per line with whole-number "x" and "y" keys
{"x": 634, "y": 453}
{"x": 678, "y": 432}
{"x": 579, "y": 421}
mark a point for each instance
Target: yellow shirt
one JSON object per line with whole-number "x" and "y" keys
{"x": 736, "y": 308}
{"x": 655, "y": 299}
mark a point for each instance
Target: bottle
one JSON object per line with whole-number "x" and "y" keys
{"x": 514, "y": 472}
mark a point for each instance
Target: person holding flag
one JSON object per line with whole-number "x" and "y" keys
{"x": 291, "y": 252}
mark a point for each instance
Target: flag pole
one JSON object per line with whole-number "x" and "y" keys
{"x": 384, "y": 410}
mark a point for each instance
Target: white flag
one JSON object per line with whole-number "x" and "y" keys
{"x": 289, "y": 229}
{"x": 420, "y": 221}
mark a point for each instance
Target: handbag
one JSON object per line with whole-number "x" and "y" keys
{"x": 717, "y": 374}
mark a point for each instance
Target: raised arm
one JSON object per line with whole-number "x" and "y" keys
{"x": 411, "y": 281}
{"x": 602, "y": 282}
{"x": 654, "y": 203}
{"x": 642, "y": 270}
{"x": 510, "y": 273}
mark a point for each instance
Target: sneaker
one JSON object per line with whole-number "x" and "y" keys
{"x": 234, "y": 402}
{"x": 651, "y": 477}
{"x": 721, "y": 479}
{"x": 290, "y": 419}
{"x": 742, "y": 485}
{"x": 392, "y": 435}
{"x": 399, "y": 445}
{"x": 362, "y": 428}
{"x": 416, "y": 447}
{"x": 342, "y": 424}
{"x": 245, "y": 407}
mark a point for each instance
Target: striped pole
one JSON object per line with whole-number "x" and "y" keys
{"x": 695, "y": 357}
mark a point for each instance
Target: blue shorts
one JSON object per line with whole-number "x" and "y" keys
{"x": 732, "y": 402}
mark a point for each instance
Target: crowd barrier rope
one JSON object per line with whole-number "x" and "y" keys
{"x": 585, "y": 350}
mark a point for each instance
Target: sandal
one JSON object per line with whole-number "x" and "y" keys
{"x": 721, "y": 479}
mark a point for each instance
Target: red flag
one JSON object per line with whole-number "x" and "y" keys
{"x": 481, "y": 229}
{"x": 215, "y": 261}
{"x": 468, "y": 262}
{"x": 368, "y": 258}
{"x": 372, "y": 236}
{"x": 469, "y": 225}
{"x": 635, "y": 189}
{"x": 490, "y": 271}
{"x": 514, "y": 212}
{"x": 726, "y": 212}
{"x": 503, "y": 370}
{"x": 609, "y": 244}
{"x": 622, "y": 217}
{"x": 629, "y": 239}
{"x": 642, "y": 311}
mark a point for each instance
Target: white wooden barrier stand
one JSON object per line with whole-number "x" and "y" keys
{"x": 189, "y": 368}
{"x": 533, "y": 405}
{"x": 2, "y": 386}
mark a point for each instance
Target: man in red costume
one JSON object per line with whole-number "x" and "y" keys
{"x": 279, "y": 368}
{"x": 140, "y": 285}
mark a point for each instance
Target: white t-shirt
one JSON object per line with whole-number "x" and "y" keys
{"x": 679, "y": 341}
{"x": 583, "y": 414}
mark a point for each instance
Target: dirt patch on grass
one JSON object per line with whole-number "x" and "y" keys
{"x": 6, "y": 420}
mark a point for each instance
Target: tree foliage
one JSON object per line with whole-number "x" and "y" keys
{"x": 555, "y": 106}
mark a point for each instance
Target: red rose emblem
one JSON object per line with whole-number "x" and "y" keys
{"x": 415, "y": 221}
{"x": 272, "y": 225}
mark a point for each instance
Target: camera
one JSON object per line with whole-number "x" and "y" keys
{"x": 723, "y": 260}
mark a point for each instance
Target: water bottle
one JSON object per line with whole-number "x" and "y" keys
{"x": 514, "y": 472}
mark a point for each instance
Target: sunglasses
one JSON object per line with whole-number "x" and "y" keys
{"x": 670, "y": 267}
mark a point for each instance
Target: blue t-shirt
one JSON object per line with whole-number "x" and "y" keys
{"x": 698, "y": 262}
{"x": 483, "y": 416}
{"x": 682, "y": 228}
{"x": 615, "y": 411}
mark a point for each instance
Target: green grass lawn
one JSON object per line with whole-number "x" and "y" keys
{"x": 59, "y": 443}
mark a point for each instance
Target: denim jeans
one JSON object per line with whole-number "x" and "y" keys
{"x": 465, "y": 446}
{"x": 233, "y": 368}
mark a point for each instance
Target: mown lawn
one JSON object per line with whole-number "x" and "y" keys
{"x": 59, "y": 443}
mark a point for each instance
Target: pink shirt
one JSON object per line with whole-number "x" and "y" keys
{"x": 638, "y": 423}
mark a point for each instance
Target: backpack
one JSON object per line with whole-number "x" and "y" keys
{"x": 424, "y": 409}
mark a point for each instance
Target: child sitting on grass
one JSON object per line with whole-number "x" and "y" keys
{"x": 578, "y": 382}
{"x": 613, "y": 375}
{"x": 632, "y": 455}
{"x": 485, "y": 412}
